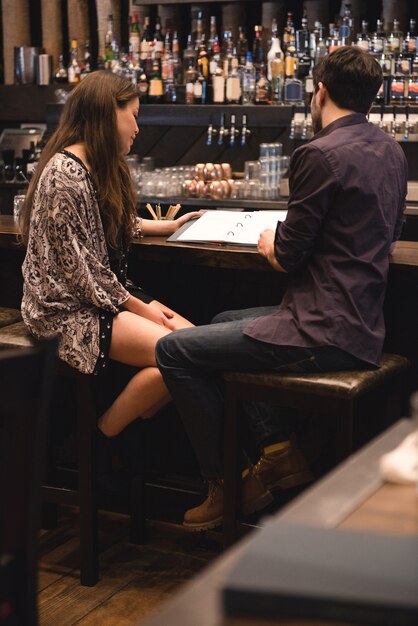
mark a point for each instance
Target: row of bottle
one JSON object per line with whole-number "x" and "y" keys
{"x": 227, "y": 71}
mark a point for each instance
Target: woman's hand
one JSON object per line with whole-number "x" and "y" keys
{"x": 159, "y": 314}
{"x": 154, "y": 311}
{"x": 183, "y": 219}
{"x": 167, "y": 227}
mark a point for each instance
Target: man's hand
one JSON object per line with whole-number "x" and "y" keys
{"x": 265, "y": 247}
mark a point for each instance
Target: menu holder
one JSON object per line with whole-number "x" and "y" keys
{"x": 229, "y": 227}
{"x": 323, "y": 573}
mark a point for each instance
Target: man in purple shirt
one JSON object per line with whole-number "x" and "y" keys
{"x": 347, "y": 195}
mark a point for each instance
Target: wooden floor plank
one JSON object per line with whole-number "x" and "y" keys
{"x": 134, "y": 580}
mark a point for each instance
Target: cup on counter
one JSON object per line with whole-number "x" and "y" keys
{"x": 18, "y": 200}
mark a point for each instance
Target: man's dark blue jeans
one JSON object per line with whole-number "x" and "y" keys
{"x": 192, "y": 360}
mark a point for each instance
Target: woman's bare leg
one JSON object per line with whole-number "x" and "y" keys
{"x": 133, "y": 343}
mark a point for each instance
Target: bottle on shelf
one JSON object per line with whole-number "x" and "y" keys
{"x": 200, "y": 85}
{"x": 289, "y": 36}
{"x": 61, "y": 74}
{"x": 258, "y": 48}
{"x": 213, "y": 35}
{"x": 262, "y": 87}
{"x": 190, "y": 77}
{"x": 233, "y": 81}
{"x": 394, "y": 42}
{"x": 385, "y": 62}
{"x": 177, "y": 62}
{"x": 378, "y": 41}
{"x": 73, "y": 66}
{"x": 86, "y": 66}
{"x": 189, "y": 53}
{"x": 409, "y": 47}
{"x": 199, "y": 30}
{"x": 308, "y": 86}
{"x": 277, "y": 79}
{"x": 109, "y": 53}
{"x": 321, "y": 49}
{"x": 134, "y": 38}
{"x": 146, "y": 39}
{"x": 242, "y": 46}
{"x": 399, "y": 80}
{"x": 155, "y": 90}
{"x": 218, "y": 79}
{"x": 248, "y": 80}
{"x": 158, "y": 39}
{"x": 363, "y": 37}
{"x": 413, "y": 81}
{"x": 275, "y": 52}
{"x": 346, "y": 26}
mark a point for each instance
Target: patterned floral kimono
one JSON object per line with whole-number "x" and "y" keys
{"x": 69, "y": 289}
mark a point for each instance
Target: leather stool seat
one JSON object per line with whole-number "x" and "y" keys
{"x": 347, "y": 397}
{"x": 16, "y": 336}
{"x": 9, "y": 316}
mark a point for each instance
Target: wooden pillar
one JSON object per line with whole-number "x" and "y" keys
{"x": 172, "y": 18}
{"x": 105, "y": 8}
{"x": 233, "y": 15}
{"x": 273, "y": 10}
{"x": 52, "y": 29}
{"x": 395, "y": 10}
{"x": 317, "y": 11}
{"x": 16, "y": 29}
{"x": 78, "y": 21}
{"x": 356, "y": 12}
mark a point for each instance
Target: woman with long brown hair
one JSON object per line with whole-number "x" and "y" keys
{"x": 78, "y": 220}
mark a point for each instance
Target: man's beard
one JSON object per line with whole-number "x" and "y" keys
{"x": 316, "y": 121}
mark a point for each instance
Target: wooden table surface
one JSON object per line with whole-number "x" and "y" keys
{"x": 353, "y": 496}
{"x": 212, "y": 255}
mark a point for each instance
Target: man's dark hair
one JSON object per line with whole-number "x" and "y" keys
{"x": 352, "y": 78}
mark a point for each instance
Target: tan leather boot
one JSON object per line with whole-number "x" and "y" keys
{"x": 282, "y": 466}
{"x": 209, "y": 514}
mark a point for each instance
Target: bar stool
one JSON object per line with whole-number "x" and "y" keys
{"x": 85, "y": 494}
{"x": 347, "y": 397}
{"x": 9, "y": 316}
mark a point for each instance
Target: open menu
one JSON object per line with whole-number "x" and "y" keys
{"x": 240, "y": 227}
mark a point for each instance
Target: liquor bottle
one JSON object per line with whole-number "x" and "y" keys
{"x": 308, "y": 86}
{"x": 385, "y": 62}
{"x": 303, "y": 53}
{"x": 134, "y": 39}
{"x": 258, "y": 48}
{"x": 86, "y": 67}
{"x": 200, "y": 85}
{"x": 321, "y": 49}
{"x": 109, "y": 48}
{"x": 242, "y": 46}
{"x": 143, "y": 86}
{"x": 167, "y": 59}
{"x": 346, "y": 26}
{"x": 189, "y": 53}
{"x": 155, "y": 91}
{"x": 277, "y": 79}
{"x": 304, "y": 39}
{"x": 395, "y": 39}
{"x": 333, "y": 41}
{"x": 399, "y": 81}
{"x": 213, "y": 35}
{"x": 363, "y": 38}
{"x": 190, "y": 77}
{"x": 61, "y": 74}
{"x": 262, "y": 87}
{"x": 290, "y": 61}
{"x": 410, "y": 41}
{"x": 413, "y": 81}
{"x": 202, "y": 58}
{"x": 73, "y": 67}
{"x": 177, "y": 63}
{"x": 378, "y": 39}
{"x": 146, "y": 39}
{"x": 248, "y": 80}
{"x": 275, "y": 49}
{"x": 289, "y": 36}
{"x": 199, "y": 30}
{"x": 218, "y": 83}
{"x": 233, "y": 81}
{"x": 215, "y": 58}
{"x": 158, "y": 39}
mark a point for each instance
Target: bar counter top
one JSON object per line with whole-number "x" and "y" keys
{"x": 211, "y": 255}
